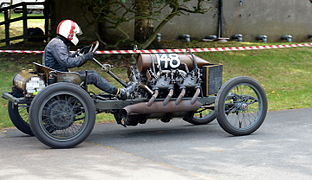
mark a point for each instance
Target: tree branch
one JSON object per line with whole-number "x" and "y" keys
{"x": 117, "y": 12}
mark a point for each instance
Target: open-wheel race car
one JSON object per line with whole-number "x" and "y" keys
{"x": 59, "y": 110}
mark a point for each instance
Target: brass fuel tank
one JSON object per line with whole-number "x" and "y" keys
{"x": 145, "y": 61}
{"x": 20, "y": 79}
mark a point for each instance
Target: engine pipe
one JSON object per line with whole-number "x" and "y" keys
{"x": 144, "y": 86}
{"x": 186, "y": 68}
{"x": 153, "y": 98}
{"x": 194, "y": 98}
{"x": 181, "y": 95}
{"x": 193, "y": 59}
{"x": 169, "y": 96}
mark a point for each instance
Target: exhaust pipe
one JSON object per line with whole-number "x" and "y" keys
{"x": 170, "y": 94}
{"x": 158, "y": 107}
{"x": 181, "y": 95}
{"x": 153, "y": 98}
{"x": 194, "y": 99}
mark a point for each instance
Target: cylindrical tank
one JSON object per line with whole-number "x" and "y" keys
{"x": 145, "y": 61}
{"x": 20, "y": 79}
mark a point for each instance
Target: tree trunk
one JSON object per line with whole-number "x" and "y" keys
{"x": 143, "y": 26}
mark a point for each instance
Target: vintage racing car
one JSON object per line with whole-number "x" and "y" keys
{"x": 59, "y": 110}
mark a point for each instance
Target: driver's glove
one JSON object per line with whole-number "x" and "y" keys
{"x": 85, "y": 58}
{"x": 88, "y": 56}
{"x": 85, "y": 49}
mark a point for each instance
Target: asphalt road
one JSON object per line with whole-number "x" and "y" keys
{"x": 280, "y": 149}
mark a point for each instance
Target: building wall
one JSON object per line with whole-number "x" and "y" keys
{"x": 197, "y": 25}
{"x": 271, "y": 17}
{"x": 251, "y": 18}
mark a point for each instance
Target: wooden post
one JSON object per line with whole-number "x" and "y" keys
{"x": 25, "y": 22}
{"x": 7, "y": 27}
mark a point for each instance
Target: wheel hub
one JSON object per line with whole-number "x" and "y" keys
{"x": 61, "y": 114}
{"x": 241, "y": 106}
{"x": 244, "y": 106}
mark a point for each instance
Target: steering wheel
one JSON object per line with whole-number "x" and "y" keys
{"x": 104, "y": 67}
{"x": 91, "y": 48}
{"x": 94, "y": 46}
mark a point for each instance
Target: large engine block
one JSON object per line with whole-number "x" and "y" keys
{"x": 173, "y": 75}
{"x": 172, "y": 84}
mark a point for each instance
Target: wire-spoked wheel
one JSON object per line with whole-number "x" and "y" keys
{"x": 62, "y": 115}
{"x": 241, "y": 106}
{"x": 201, "y": 116}
{"x": 18, "y": 114}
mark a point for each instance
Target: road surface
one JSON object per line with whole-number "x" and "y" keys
{"x": 280, "y": 149}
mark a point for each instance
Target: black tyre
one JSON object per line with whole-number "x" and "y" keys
{"x": 241, "y": 106}
{"x": 201, "y": 116}
{"x": 19, "y": 117}
{"x": 62, "y": 115}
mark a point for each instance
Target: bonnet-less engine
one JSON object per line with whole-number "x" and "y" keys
{"x": 174, "y": 82}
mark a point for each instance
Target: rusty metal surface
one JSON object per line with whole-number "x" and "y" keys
{"x": 146, "y": 61}
{"x": 120, "y": 104}
{"x": 42, "y": 69}
{"x": 159, "y": 107}
{"x": 71, "y": 77}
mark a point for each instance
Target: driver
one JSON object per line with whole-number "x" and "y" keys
{"x": 57, "y": 56}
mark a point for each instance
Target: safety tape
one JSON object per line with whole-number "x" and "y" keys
{"x": 157, "y": 51}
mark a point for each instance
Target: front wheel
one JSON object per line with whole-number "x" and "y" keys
{"x": 241, "y": 106}
{"x": 62, "y": 115}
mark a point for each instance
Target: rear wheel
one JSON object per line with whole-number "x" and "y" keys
{"x": 241, "y": 106}
{"x": 18, "y": 114}
{"x": 62, "y": 115}
{"x": 201, "y": 116}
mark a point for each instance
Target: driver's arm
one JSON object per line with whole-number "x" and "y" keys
{"x": 64, "y": 58}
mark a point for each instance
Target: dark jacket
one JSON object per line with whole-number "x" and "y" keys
{"x": 57, "y": 56}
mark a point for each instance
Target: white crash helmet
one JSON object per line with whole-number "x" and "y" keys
{"x": 69, "y": 29}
